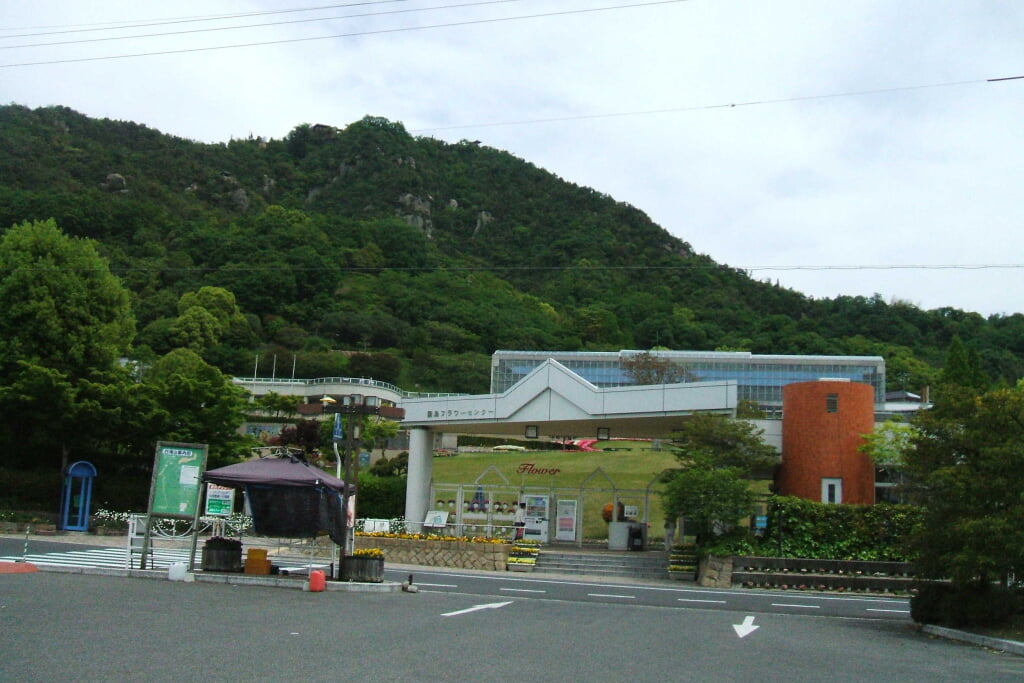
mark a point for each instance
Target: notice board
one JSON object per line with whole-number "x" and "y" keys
{"x": 177, "y": 469}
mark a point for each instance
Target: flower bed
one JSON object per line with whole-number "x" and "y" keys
{"x": 809, "y": 574}
{"x": 523, "y": 556}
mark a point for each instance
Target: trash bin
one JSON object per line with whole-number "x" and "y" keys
{"x": 636, "y": 537}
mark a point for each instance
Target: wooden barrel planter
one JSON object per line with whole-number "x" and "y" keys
{"x": 220, "y": 556}
{"x": 362, "y": 569}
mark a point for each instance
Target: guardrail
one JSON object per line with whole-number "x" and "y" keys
{"x": 361, "y": 381}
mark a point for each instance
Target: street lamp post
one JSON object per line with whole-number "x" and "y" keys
{"x": 355, "y": 406}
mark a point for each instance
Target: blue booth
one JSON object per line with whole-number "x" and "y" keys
{"x": 76, "y": 497}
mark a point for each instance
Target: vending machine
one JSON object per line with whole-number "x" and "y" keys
{"x": 536, "y": 518}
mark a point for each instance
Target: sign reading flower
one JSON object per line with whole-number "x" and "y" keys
{"x": 530, "y": 468}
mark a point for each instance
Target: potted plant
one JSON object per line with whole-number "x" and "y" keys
{"x": 222, "y": 555}
{"x": 365, "y": 565}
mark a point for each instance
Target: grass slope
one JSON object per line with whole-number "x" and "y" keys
{"x": 629, "y": 469}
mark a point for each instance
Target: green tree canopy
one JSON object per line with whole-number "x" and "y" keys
{"x": 716, "y": 441}
{"x": 966, "y": 467}
{"x": 202, "y": 404}
{"x": 63, "y": 309}
{"x": 66, "y": 323}
{"x": 712, "y": 489}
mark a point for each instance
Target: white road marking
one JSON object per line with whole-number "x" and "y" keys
{"x": 785, "y": 604}
{"x": 609, "y": 595}
{"x": 520, "y": 590}
{"x": 113, "y": 558}
{"x": 716, "y": 602}
{"x": 476, "y": 608}
{"x": 746, "y": 628}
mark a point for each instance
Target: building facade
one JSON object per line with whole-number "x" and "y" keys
{"x": 760, "y": 378}
{"x": 822, "y": 433}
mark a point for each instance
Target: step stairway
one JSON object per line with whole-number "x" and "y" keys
{"x": 625, "y": 564}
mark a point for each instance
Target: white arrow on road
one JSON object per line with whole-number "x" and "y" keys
{"x": 746, "y": 628}
{"x": 477, "y": 608}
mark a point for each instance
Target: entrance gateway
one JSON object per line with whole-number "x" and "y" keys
{"x": 487, "y": 506}
{"x": 549, "y": 402}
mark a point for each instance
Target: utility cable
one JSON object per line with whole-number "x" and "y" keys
{"x": 353, "y": 34}
{"x": 263, "y": 25}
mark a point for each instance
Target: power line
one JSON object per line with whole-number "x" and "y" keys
{"x": 725, "y": 105}
{"x": 118, "y": 25}
{"x": 248, "y": 26}
{"x": 353, "y": 34}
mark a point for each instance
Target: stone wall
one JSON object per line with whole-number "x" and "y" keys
{"x": 456, "y": 554}
{"x": 714, "y": 572}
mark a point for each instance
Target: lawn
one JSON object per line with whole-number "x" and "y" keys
{"x": 629, "y": 467}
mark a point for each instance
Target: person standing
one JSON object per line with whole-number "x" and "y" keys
{"x": 519, "y": 522}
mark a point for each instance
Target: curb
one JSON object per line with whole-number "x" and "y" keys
{"x": 1011, "y": 646}
{"x": 17, "y": 568}
{"x": 232, "y": 579}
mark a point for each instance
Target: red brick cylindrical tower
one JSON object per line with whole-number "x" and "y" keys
{"x": 823, "y": 424}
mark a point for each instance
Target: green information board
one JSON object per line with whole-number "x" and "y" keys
{"x": 177, "y": 470}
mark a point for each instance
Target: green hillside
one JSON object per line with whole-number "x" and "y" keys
{"x": 366, "y": 251}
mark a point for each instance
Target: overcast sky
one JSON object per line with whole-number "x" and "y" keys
{"x": 868, "y": 150}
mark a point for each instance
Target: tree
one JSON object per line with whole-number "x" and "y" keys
{"x": 63, "y": 309}
{"x": 646, "y": 368}
{"x": 717, "y": 441}
{"x": 712, "y": 489}
{"x": 66, "y": 323}
{"x": 397, "y": 466}
{"x": 887, "y": 447}
{"x": 278, "y": 404}
{"x": 377, "y": 432}
{"x": 711, "y": 500}
{"x": 963, "y": 368}
{"x": 207, "y": 317}
{"x": 889, "y": 443}
{"x": 202, "y": 404}
{"x": 966, "y": 467}
{"x": 305, "y": 434}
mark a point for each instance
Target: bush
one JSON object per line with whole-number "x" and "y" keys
{"x": 841, "y": 532}
{"x": 381, "y": 497}
{"x": 947, "y": 605}
{"x": 30, "y": 490}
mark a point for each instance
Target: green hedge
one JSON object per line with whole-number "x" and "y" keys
{"x": 29, "y": 490}
{"x": 380, "y": 497}
{"x": 943, "y": 605}
{"x": 803, "y": 528}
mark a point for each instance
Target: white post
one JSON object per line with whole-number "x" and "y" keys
{"x": 421, "y": 471}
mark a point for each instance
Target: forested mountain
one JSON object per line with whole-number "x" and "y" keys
{"x": 365, "y": 251}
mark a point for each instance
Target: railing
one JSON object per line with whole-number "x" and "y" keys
{"x": 398, "y": 526}
{"x": 179, "y": 528}
{"x": 362, "y": 381}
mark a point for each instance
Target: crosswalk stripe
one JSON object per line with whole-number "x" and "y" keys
{"x": 107, "y": 557}
{"x": 161, "y": 558}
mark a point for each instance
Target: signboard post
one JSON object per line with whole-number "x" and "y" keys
{"x": 174, "y": 491}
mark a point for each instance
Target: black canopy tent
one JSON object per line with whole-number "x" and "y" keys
{"x": 288, "y": 497}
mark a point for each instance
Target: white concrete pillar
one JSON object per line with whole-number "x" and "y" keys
{"x": 421, "y": 471}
